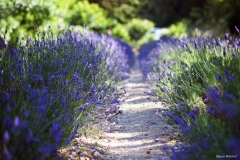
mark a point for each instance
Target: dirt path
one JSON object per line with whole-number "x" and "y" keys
{"x": 136, "y": 133}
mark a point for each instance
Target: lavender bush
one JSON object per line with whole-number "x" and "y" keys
{"x": 149, "y": 53}
{"x": 53, "y": 85}
{"x": 198, "y": 79}
{"x": 129, "y": 52}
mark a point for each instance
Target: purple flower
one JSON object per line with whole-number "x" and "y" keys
{"x": 195, "y": 44}
{"x": 36, "y": 77}
{"x": 7, "y": 155}
{"x": 65, "y": 72}
{"x": 231, "y": 111}
{"x": 182, "y": 104}
{"x": 81, "y": 155}
{"x": 181, "y": 109}
{"x": 209, "y": 110}
{"x": 8, "y": 109}
{"x": 166, "y": 127}
{"x": 153, "y": 123}
{"x": 7, "y": 122}
{"x": 81, "y": 109}
{"x": 165, "y": 147}
{"x": 233, "y": 146}
{"x": 229, "y": 96}
{"x": 56, "y": 127}
{"x": 171, "y": 115}
{"x": 37, "y": 140}
{"x": 194, "y": 148}
{"x": 218, "y": 78}
{"x": 224, "y": 51}
{"x": 52, "y": 78}
{"x": 64, "y": 116}
{"x": 30, "y": 137}
{"x": 16, "y": 122}
{"x": 7, "y": 97}
{"x": 6, "y": 137}
{"x": 214, "y": 94}
{"x": 69, "y": 139}
{"x": 192, "y": 115}
{"x": 226, "y": 36}
{"x": 25, "y": 112}
{"x": 194, "y": 124}
{"x": 210, "y": 126}
{"x": 228, "y": 76}
{"x": 57, "y": 131}
{"x": 205, "y": 144}
{"x": 196, "y": 110}
{"x": 161, "y": 158}
{"x": 35, "y": 94}
{"x": 185, "y": 129}
{"x": 236, "y": 29}
{"x": 58, "y": 136}
{"x": 85, "y": 134}
{"x": 28, "y": 88}
{"x": 42, "y": 110}
{"x": 48, "y": 150}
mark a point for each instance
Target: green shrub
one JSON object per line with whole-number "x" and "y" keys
{"x": 178, "y": 30}
{"x": 137, "y": 28}
{"x": 21, "y": 17}
{"x": 91, "y": 15}
{"x": 121, "y": 32}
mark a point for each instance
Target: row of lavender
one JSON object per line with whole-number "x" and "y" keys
{"x": 198, "y": 80}
{"x": 52, "y": 86}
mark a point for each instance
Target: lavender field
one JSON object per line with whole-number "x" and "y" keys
{"x": 56, "y": 86}
{"x": 119, "y": 79}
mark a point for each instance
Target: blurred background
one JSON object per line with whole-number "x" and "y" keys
{"x": 135, "y": 21}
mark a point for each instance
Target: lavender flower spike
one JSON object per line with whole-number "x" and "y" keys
{"x": 236, "y": 29}
{"x": 6, "y": 137}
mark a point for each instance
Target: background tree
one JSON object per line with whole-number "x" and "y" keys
{"x": 20, "y": 17}
{"x": 218, "y": 16}
{"x": 91, "y": 15}
{"x": 122, "y": 10}
{"x": 161, "y": 12}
